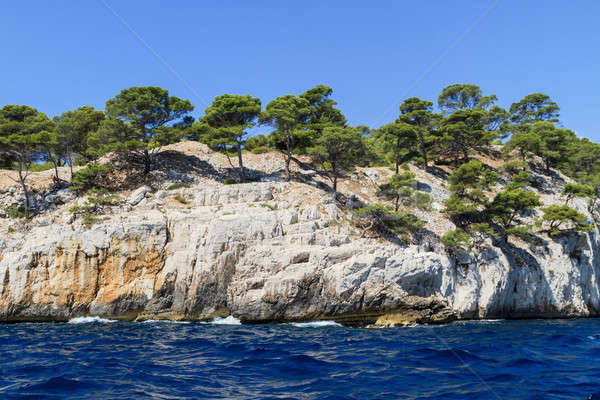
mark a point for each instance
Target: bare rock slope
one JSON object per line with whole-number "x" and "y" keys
{"x": 276, "y": 251}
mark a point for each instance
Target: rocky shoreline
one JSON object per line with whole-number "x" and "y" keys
{"x": 274, "y": 251}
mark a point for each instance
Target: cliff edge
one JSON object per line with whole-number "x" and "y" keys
{"x": 272, "y": 250}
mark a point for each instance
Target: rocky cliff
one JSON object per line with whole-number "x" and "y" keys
{"x": 276, "y": 251}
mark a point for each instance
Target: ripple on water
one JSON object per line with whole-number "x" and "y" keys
{"x": 123, "y": 360}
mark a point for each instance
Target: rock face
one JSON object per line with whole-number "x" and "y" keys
{"x": 275, "y": 251}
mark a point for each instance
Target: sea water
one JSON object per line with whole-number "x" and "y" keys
{"x": 95, "y": 358}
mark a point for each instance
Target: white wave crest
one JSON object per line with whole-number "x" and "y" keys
{"x": 87, "y": 320}
{"x": 314, "y": 324}
{"x": 164, "y": 321}
{"x": 230, "y": 320}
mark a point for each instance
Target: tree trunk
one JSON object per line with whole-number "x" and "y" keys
{"x": 335, "y": 178}
{"x": 147, "y": 162}
{"x": 397, "y": 203}
{"x": 289, "y": 146}
{"x": 24, "y": 186}
{"x": 240, "y": 163}
{"x": 397, "y": 151}
{"x": 56, "y": 171}
{"x": 422, "y": 145}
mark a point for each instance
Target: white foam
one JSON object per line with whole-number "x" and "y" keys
{"x": 478, "y": 321}
{"x": 314, "y": 324}
{"x": 165, "y": 321}
{"x": 230, "y": 320}
{"x": 87, "y": 320}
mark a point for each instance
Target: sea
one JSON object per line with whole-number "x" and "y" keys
{"x": 95, "y": 358}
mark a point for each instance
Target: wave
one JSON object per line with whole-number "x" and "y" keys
{"x": 87, "y": 320}
{"x": 164, "y": 321}
{"x": 314, "y": 324}
{"x": 230, "y": 320}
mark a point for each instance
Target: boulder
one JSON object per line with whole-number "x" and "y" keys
{"x": 139, "y": 194}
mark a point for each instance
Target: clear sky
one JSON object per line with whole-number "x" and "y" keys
{"x": 59, "y": 55}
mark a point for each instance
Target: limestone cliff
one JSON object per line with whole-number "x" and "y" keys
{"x": 275, "y": 251}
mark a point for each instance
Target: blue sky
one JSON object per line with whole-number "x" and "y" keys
{"x": 60, "y": 55}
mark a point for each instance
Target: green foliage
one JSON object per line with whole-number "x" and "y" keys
{"x": 101, "y": 197}
{"x": 467, "y": 185}
{"x": 94, "y": 206}
{"x": 286, "y": 114}
{"x": 323, "y": 114}
{"x": 400, "y": 190}
{"x": 269, "y": 206}
{"x": 545, "y": 140}
{"x": 258, "y": 144}
{"x": 509, "y": 204}
{"x": 457, "y": 240}
{"x": 459, "y": 96}
{"x": 337, "y": 149}
{"x": 471, "y": 175}
{"x": 572, "y": 190}
{"x": 534, "y": 107}
{"x": 522, "y": 232}
{"x": 228, "y": 118}
{"x": 229, "y": 181}
{"x": 91, "y": 176}
{"x": 73, "y": 129}
{"x": 514, "y": 166}
{"x": 397, "y": 142}
{"x": 422, "y": 201}
{"x": 37, "y": 167}
{"x": 137, "y": 122}
{"x": 16, "y": 211}
{"x": 463, "y": 131}
{"x": 380, "y": 219}
{"x": 23, "y": 133}
{"x": 176, "y": 186}
{"x": 417, "y": 113}
{"x": 520, "y": 180}
{"x": 556, "y": 216}
{"x": 89, "y": 220}
{"x": 481, "y": 230}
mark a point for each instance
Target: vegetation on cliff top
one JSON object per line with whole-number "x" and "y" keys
{"x": 467, "y": 122}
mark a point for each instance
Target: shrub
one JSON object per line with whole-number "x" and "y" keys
{"x": 269, "y": 206}
{"x": 103, "y": 200}
{"x": 88, "y": 177}
{"x": 89, "y": 220}
{"x": 382, "y": 219}
{"x": 16, "y": 211}
{"x": 572, "y": 190}
{"x": 229, "y": 181}
{"x": 260, "y": 150}
{"x": 522, "y": 232}
{"x": 508, "y": 204}
{"x": 557, "y": 216}
{"x": 457, "y": 240}
{"x": 514, "y": 166}
{"x": 422, "y": 201}
{"x": 400, "y": 190}
{"x": 258, "y": 143}
{"x": 520, "y": 180}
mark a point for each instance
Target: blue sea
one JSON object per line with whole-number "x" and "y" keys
{"x": 91, "y": 358}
